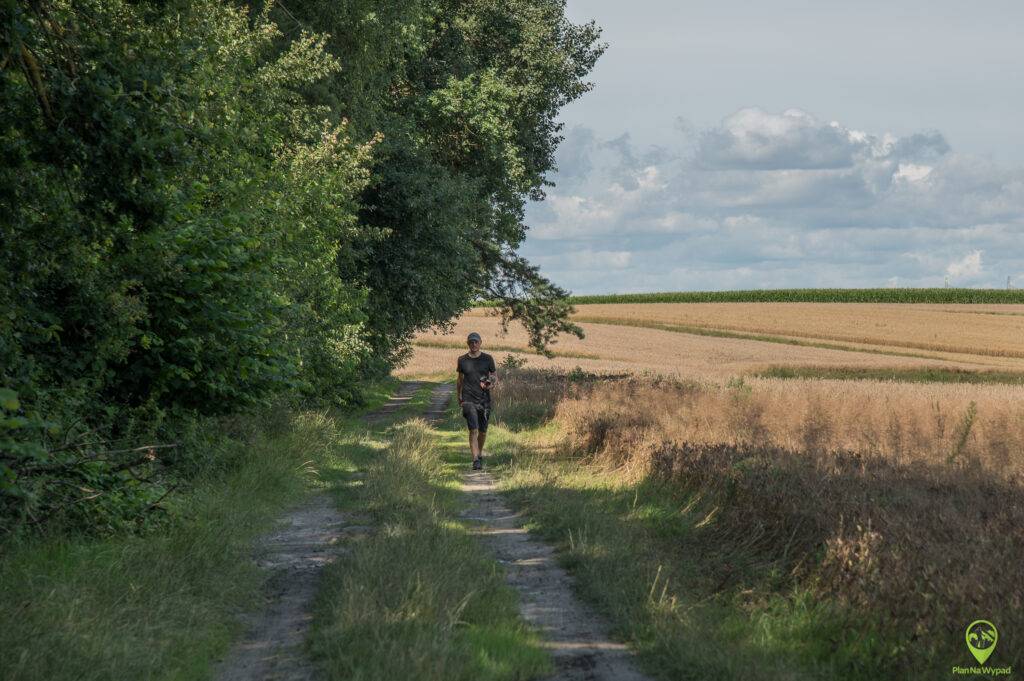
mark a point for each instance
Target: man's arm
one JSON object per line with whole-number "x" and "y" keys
{"x": 458, "y": 387}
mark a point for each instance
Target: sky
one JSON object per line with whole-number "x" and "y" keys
{"x": 769, "y": 144}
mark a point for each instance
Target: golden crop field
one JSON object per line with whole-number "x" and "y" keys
{"x": 864, "y": 493}
{"x": 863, "y": 490}
{"x": 988, "y": 330}
{"x": 717, "y": 341}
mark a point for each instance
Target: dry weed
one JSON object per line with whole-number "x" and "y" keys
{"x": 908, "y": 505}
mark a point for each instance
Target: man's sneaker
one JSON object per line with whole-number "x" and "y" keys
{"x": 480, "y": 461}
{"x": 477, "y": 465}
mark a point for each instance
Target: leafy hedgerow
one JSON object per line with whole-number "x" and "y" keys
{"x": 172, "y": 216}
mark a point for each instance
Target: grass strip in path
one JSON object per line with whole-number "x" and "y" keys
{"x": 577, "y": 637}
{"x": 295, "y": 554}
{"x": 921, "y": 375}
{"x": 416, "y": 597}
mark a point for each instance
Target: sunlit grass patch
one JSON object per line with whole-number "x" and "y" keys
{"x": 420, "y": 598}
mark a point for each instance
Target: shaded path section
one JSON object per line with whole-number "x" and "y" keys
{"x": 295, "y": 554}
{"x": 403, "y": 395}
{"x": 576, "y": 635}
{"x": 438, "y": 405}
{"x": 307, "y": 539}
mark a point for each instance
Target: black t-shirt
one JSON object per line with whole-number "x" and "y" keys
{"x": 474, "y": 370}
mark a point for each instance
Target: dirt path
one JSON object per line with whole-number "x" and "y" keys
{"x": 577, "y": 637}
{"x": 403, "y": 395}
{"x": 307, "y": 539}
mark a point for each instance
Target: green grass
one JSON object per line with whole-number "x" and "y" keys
{"x": 164, "y": 605}
{"x": 419, "y": 598}
{"x": 921, "y": 375}
{"x": 693, "y": 605}
{"x": 816, "y": 295}
{"x": 376, "y": 393}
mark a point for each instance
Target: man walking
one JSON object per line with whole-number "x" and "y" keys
{"x": 477, "y": 376}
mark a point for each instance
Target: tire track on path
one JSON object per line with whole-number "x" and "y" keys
{"x": 308, "y": 539}
{"x": 577, "y": 636}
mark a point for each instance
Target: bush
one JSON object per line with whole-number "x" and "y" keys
{"x": 173, "y": 213}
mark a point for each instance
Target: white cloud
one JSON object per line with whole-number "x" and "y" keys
{"x": 578, "y": 214}
{"x": 675, "y": 221}
{"x": 586, "y": 260}
{"x": 966, "y": 267}
{"x": 776, "y": 200}
{"x": 757, "y": 140}
{"x": 911, "y": 172}
{"x": 601, "y": 259}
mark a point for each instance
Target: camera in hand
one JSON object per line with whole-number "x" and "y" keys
{"x": 486, "y": 383}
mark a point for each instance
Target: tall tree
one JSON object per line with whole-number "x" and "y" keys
{"x": 465, "y": 95}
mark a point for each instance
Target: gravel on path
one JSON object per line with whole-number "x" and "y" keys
{"x": 577, "y": 636}
{"x": 307, "y": 539}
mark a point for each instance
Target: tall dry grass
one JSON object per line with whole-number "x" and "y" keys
{"x": 966, "y": 425}
{"x": 905, "y": 502}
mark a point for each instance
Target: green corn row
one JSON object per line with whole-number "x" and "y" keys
{"x": 817, "y": 295}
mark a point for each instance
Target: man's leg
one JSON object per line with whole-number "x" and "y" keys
{"x": 469, "y": 412}
{"x": 482, "y": 417}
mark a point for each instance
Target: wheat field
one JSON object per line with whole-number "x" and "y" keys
{"x": 853, "y": 335}
{"x": 883, "y": 498}
{"x": 987, "y": 330}
{"x": 868, "y": 492}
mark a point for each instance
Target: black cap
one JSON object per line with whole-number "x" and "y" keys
{"x": 473, "y": 337}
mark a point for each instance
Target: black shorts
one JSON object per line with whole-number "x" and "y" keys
{"x": 476, "y": 415}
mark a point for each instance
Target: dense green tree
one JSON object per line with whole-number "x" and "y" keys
{"x": 465, "y": 95}
{"x": 173, "y": 210}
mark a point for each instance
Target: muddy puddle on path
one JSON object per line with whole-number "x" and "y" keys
{"x": 576, "y": 636}
{"x": 306, "y": 540}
